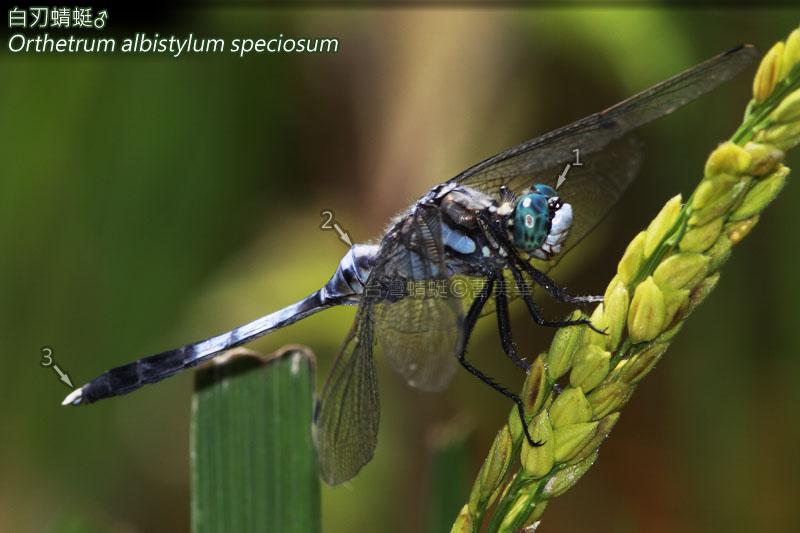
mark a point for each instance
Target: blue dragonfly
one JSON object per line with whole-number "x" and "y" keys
{"x": 484, "y": 229}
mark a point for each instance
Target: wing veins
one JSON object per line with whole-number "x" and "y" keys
{"x": 690, "y": 83}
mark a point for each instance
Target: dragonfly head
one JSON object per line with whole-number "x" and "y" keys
{"x": 540, "y": 222}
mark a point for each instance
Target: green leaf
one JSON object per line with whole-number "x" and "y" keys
{"x": 449, "y": 483}
{"x": 254, "y": 466}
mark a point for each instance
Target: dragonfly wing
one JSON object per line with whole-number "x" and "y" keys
{"x": 590, "y": 189}
{"x": 349, "y": 409}
{"x": 541, "y": 159}
{"x": 419, "y": 335}
{"x": 594, "y": 132}
{"x": 597, "y": 185}
{"x": 418, "y": 326}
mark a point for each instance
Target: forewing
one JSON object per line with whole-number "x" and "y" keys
{"x": 518, "y": 167}
{"x": 597, "y": 185}
{"x": 610, "y": 153}
{"x": 349, "y": 410}
{"x": 590, "y": 189}
{"x": 420, "y": 334}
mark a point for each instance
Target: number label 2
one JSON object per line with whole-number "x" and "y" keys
{"x": 327, "y": 220}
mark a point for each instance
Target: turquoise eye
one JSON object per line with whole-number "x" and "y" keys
{"x": 531, "y": 221}
{"x": 545, "y": 190}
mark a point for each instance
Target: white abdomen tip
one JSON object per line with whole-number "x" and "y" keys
{"x": 74, "y": 397}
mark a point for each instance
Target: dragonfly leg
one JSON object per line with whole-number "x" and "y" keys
{"x": 533, "y": 309}
{"x": 504, "y": 325}
{"x": 469, "y": 324}
{"x": 538, "y": 277}
{"x": 560, "y": 294}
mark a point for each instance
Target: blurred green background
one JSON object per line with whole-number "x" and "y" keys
{"x": 147, "y": 201}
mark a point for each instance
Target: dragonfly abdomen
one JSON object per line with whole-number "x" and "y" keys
{"x": 344, "y": 288}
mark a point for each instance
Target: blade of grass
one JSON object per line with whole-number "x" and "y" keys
{"x": 449, "y": 482}
{"x": 254, "y": 466}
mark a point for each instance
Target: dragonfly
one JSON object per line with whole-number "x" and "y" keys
{"x": 496, "y": 227}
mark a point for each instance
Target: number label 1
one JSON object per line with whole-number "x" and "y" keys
{"x": 577, "y": 163}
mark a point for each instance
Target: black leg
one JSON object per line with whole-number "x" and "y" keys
{"x": 469, "y": 324}
{"x": 504, "y": 325}
{"x": 533, "y": 309}
{"x": 541, "y": 279}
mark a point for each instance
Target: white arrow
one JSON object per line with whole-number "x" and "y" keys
{"x": 563, "y": 176}
{"x": 64, "y": 377}
{"x": 343, "y": 235}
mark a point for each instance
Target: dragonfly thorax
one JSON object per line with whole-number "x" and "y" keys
{"x": 540, "y": 222}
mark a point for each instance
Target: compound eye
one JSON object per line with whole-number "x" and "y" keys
{"x": 546, "y": 190}
{"x": 531, "y": 221}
